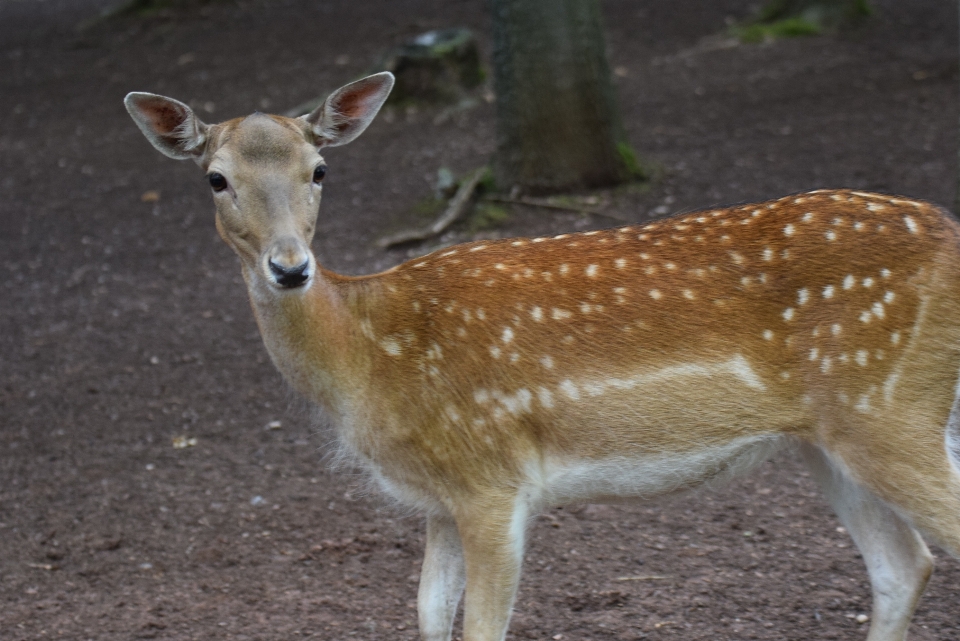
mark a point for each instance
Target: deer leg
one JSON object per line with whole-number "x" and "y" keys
{"x": 898, "y": 561}
{"x": 441, "y": 579}
{"x": 493, "y": 541}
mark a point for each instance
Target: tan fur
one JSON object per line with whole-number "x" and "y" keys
{"x": 487, "y": 380}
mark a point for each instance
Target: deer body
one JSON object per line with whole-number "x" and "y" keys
{"x": 486, "y": 381}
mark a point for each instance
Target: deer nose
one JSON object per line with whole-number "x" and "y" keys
{"x": 290, "y": 276}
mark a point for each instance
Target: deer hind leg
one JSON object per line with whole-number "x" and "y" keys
{"x": 442, "y": 578}
{"x": 897, "y": 560}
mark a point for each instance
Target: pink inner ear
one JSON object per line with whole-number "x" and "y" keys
{"x": 354, "y": 103}
{"x": 165, "y": 116}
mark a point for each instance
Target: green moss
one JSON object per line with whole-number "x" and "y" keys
{"x": 862, "y": 8}
{"x": 426, "y": 210}
{"x": 635, "y": 170}
{"x": 786, "y": 28}
{"x": 487, "y": 216}
{"x": 487, "y": 184}
{"x": 788, "y": 18}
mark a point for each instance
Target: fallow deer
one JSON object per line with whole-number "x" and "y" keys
{"x": 486, "y": 381}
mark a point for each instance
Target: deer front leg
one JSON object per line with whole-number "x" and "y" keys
{"x": 441, "y": 579}
{"x": 493, "y": 540}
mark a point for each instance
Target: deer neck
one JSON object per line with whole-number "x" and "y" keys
{"x": 309, "y": 337}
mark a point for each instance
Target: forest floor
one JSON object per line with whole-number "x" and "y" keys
{"x": 124, "y": 324}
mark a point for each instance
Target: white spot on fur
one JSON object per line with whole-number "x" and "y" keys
{"x": 547, "y": 362}
{"x": 591, "y": 271}
{"x": 814, "y": 354}
{"x": 545, "y": 397}
{"x": 767, "y": 335}
{"x": 495, "y": 351}
{"x": 889, "y": 386}
{"x": 888, "y": 297}
{"x": 767, "y": 254}
{"x": 560, "y": 314}
{"x": 564, "y": 269}
{"x": 788, "y": 314}
{"x": 507, "y": 335}
{"x": 849, "y": 281}
{"x": 568, "y": 388}
{"x": 788, "y": 230}
{"x": 536, "y": 314}
{"x": 835, "y": 329}
{"x": 803, "y": 296}
{"x": 865, "y": 317}
{"x": 391, "y": 346}
{"x": 861, "y": 357}
{"x": 878, "y": 310}
{"x": 825, "y": 365}
{"x": 688, "y": 294}
{"x": 895, "y": 338}
{"x": 868, "y": 282}
{"x": 828, "y": 291}
{"x": 830, "y": 235}
{"x": 911, "y": 224}
{"x": 885, "y": 272}
{"x": 620, "y": 263}
{"x": 807, "y": 217}
{"x": 655, "y": 294}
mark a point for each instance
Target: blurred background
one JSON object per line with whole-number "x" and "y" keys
{"x": 157, "y": 478}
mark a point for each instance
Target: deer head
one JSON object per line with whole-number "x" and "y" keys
{"x": 265, "y": 171}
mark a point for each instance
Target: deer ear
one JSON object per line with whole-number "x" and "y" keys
{"x": 168, "y": 124}
{"x": 347, "y": 111}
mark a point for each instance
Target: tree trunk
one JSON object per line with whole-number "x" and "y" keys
{"x": 956, "y": 196}
{"x": 558, "y": 127}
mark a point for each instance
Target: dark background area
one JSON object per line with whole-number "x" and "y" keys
{"x": 124, "y": 324}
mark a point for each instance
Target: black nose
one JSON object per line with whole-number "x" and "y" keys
{"x": 290, "y": 276}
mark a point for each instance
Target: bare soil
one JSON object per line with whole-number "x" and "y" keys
{"x": 124, "y": 325}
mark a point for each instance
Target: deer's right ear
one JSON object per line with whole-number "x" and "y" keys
{"x": 168, "y": 124}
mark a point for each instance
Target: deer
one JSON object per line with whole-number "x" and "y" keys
{"x": 487, "y": 381}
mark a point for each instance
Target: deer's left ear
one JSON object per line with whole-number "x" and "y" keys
{"x": 349, "y": 110}
{"x": 168, "y": 124}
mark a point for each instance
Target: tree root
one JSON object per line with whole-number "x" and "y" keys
{"x": 455, "y": 209}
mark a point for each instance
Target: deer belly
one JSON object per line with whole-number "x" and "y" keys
{"x": 568, "y": 479}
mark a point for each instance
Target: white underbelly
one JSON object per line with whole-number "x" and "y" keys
{"x": 560, "y": 481}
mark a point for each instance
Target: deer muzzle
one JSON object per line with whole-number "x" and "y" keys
{"x": 288, "y": 264}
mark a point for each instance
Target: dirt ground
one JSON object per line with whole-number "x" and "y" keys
{"x": 124, "y": 325}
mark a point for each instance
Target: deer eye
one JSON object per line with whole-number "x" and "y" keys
{"x": 217, "y": 181}
{"x": 319, "y": 172}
